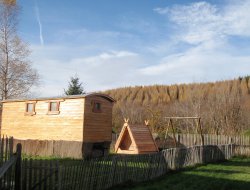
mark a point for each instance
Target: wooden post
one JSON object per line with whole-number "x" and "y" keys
{"x": 113, "y": 173}
{"x": 200, "y": 129}
{"x": 58, "y": 175}
{"x": 172, "y": 127}
{"x": 166, "y": 134}
{"x": 18, "y": 169}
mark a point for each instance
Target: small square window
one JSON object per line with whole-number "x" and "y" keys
{"x": 30, "y": 108}
{"x": 53, "y": 107}
{"x": 97, "y": 107}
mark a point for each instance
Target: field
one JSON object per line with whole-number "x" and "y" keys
{"x": 231, "y": 175}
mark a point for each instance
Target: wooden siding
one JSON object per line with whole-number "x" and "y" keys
{"x": 67, "y": 125}
{"x": 97, "y": 125}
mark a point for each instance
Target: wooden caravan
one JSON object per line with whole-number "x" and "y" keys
{"x": 135, "y": 139}
{"x": 83, "y": 118}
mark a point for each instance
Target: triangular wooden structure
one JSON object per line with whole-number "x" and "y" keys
{"x": 135, "y": 139}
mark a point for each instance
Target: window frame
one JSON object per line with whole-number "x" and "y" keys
{"x": 50, "y": 112}
{"x": 94, "y": 109}
{"x": 33, "y": 112}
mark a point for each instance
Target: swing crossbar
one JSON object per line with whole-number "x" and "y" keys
{"x": 182, "y": 117}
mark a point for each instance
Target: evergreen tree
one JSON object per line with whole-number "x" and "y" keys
{"x": 75, "y": 87}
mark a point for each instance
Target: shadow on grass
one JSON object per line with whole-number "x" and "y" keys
{"x": 188, "y": 182}
{"x": 237, "y": 163}
{"x": 209, "y": 177}
{"x": 221, "y": 171}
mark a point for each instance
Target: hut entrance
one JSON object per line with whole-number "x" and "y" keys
{"x": 126, "y": 142}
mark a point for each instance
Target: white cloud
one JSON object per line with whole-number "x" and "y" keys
{"x": 162, "y": 11}
{"x": 210, "y": 56}
{"x": 112, "y": 69}
{"x": 201, "y": 21}
{"x": 196, "y": 65}
{"x": 103, "y": 71}
{"x": 237, "y": 17}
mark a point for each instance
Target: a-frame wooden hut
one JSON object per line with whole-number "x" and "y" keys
{"x": 135, "y": 139}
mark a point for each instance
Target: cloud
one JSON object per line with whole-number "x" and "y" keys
{"x": 210, "y": 55}
{"x": 112, "y": 69}
{"x": 198, "y": 48}
{"x": 40, "y": 24}
{"x": 102, "y": 71}
{"x": 196, "y": 65}
{"x": 202, "y": 22}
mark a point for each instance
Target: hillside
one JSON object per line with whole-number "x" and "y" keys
{"x": 223, "y": 105}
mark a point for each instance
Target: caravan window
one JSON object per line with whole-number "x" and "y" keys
{"x": 53, "y": 107}
{"x": 97, "y": 107}
{"x": 30, "y": 108}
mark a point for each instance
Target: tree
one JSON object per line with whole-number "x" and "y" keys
{"x": 225, "y": 111}
{"x": 16, "y": 73}
{"x": 75, "y": 87}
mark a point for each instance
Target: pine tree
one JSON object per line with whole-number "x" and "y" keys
{"x": 75, "y": 87}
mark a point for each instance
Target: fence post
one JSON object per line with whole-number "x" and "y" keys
{"x": 113, "y": 174}
{"x": 18, "y": 169}
{"x": 58, "y": 175}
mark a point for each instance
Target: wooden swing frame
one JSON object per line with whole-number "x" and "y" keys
{"x": 170, "y": 124}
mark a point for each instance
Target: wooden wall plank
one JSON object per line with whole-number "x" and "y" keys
{"x": 97, "y": 126}
{"x": 67, "y": 125}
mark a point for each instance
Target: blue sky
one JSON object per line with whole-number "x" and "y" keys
{"x": 117, "y": 43}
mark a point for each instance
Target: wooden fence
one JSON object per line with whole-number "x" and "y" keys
{"x": 73, "y": 149}
{"x": 109, "y": 171}
{"x": 177, "y": 158}
{"x": 240, "y": 150}
{"x": 10, "y": 165}
{"x": 106, "y": 172}
{"x": 103, "y": 173}
{"x": 40, "y": 174}
{"x": 58, "y": 148}
{"x": 188, "y": 140}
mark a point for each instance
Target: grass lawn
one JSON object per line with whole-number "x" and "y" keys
{"x": 230, "y": 175}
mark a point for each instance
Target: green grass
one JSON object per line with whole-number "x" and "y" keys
{"x": 230, "y": 175}
{"x": 62, "y": 161}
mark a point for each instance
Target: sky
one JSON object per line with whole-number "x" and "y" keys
{"x": 117, "y": 43}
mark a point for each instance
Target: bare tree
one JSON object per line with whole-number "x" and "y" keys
{"x": 225, "y": 111}
{"x": 16, "y": 73}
